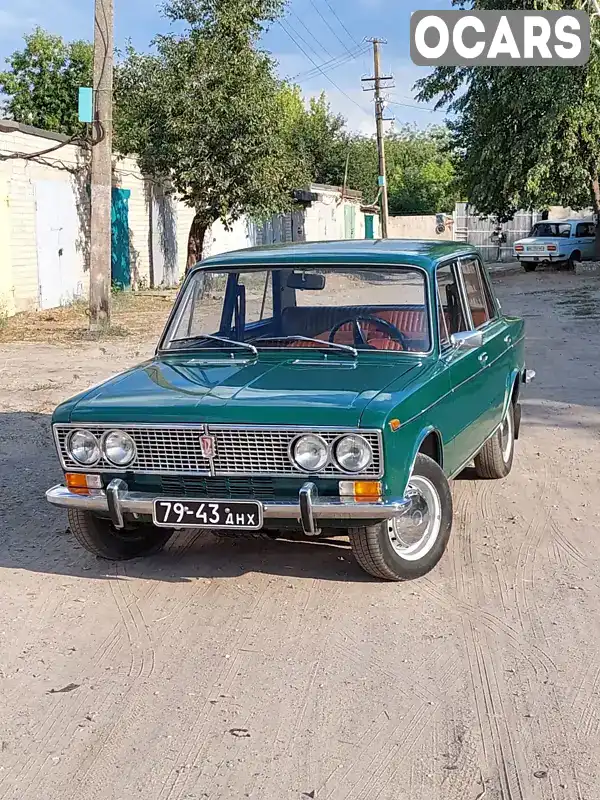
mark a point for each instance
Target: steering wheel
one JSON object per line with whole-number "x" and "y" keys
{"x": 358, "y": 333}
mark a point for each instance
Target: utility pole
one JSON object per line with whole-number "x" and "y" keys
{"x": 377, "y": 81}
{"x": 101, "y": 195}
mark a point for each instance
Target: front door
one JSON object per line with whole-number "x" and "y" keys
{"x": 494, "y": 355}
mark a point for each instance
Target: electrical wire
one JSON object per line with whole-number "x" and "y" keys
{"x": 302, "y": 39}
{"x": 417, "y": 108}
{"x": 310, "y": 33}
{"x": 340, "y": 21}
{"x": 331, "y": 81}
{"x": 316, "y": 8}
{"x": 333, "y": 63}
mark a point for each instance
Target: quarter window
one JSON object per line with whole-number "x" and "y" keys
{"x": 452, "y": 318}
{"x": 478, "y": 295}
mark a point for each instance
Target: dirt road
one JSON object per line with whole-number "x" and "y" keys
{"x": 278, "y": 671}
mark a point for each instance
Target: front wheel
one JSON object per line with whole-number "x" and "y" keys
{"x": 411, "y": 544}
{"x": 100, "y": 537}
{"x": 495, "y": 458}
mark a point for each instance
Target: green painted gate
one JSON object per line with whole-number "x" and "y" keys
{"x": 121, "y": 258}
{"x": 369, "y": 227}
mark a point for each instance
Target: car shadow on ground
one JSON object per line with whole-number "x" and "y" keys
{"x": 35, "y": 537}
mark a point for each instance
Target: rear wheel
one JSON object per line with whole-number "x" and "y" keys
{"x": 100, "y": 537}
{"x": 495, "y": 458}
{"x": 529, "y": 266}
{"x": 411, "y": 544}
{"x": 573, "y": 259}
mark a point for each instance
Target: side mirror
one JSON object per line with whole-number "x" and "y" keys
{"x": 469, "y": 340}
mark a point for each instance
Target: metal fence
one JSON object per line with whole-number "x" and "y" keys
{"x": 479, "y": 231}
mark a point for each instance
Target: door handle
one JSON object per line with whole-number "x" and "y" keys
{"x": 508, "y": 339}
{"x": 483, "y": 358}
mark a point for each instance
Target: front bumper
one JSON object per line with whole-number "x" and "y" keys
{"x": 117, "y": 500}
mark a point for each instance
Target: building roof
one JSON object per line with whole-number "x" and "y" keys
{"x": 420, "y": 253}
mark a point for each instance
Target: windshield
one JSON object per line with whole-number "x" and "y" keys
{"x": 333, "y": 308}
{"x": 554, "y": 229}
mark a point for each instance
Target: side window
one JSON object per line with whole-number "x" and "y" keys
{"x": 585, "y": 229}
{"x": 452, "y": 318}
{"x": 258, "y": 295}
{"x": 478, "y": 295}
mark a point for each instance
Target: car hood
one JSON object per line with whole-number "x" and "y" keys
{"x": 284, "y": 391}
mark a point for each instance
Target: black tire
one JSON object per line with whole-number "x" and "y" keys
{"x": 495, "y": 459}
{"x": 529, "y": 266}
{"x": 373, "y": 548}
{"x": 100, "y": 537}
{"x": 573, "y": 258}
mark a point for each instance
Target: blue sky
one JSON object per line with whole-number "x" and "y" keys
{"x": 321, "y": 28}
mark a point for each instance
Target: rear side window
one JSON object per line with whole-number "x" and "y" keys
{"x": 585, "y": 229}
{"x": 478, "y": 293}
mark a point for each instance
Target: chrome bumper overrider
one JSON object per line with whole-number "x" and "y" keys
{"x": 118, "y": 500}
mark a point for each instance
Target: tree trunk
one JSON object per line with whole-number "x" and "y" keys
{"x": 196, "y": 241}
{"x": 596, "y": 203}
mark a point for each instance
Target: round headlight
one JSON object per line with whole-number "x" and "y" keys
{"x": 119, "y": 448}
{"x": 310, "y": 453}
{"x": 353, "y": 453}
{"x": 83, "y": 447}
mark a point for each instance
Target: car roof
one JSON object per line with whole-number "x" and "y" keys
{"x": 366, "y": 252}
{"x": 571, "y": 220}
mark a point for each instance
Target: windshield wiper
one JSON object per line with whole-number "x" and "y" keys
{"x": 211, "y": 338}
{"x": 346, "y": 347}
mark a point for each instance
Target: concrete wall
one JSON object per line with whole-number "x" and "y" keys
{"x": 7, "y": 287}
{"x": 18, "y": 177}
{"x": 416, "y": 227}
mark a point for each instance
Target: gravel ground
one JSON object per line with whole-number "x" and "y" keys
{"x": 276, "y": 670}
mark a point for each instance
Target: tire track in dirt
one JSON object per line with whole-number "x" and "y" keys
{"x": 175, "y": 783}
{"x": 308, "y": 632}
{"x": 496, "y": 727}
{"x": 387, "y": 748}
{"x": 539, "y": 659}
{"x": 70, "y": 711}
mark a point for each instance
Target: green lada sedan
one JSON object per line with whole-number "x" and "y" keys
{"x": 330, "y": 389}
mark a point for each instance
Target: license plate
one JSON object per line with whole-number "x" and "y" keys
{"x": 537, "y": 248}
{"x": 229, "y": 514}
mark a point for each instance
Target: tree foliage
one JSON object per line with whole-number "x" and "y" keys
{"x": 201, "y": 112}
{"x": 528, "y": 137}
{"x": 420, "y": 165}
{"x": 42, "y": 82}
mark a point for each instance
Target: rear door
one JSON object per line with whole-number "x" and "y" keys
{"x": 585, "y": 233}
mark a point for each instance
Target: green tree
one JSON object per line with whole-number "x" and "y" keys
{"x": 529, "y": 137}
{"x": 42, "y": 82}
{"x": 201, "y": 112}
{"x": 420, "y": 166}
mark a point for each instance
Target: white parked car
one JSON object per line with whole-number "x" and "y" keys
{"x": 561, "y": 242}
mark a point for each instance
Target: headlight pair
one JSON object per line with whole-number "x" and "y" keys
{"x": 351, "y": 453}
{"x": 117, "y": 447}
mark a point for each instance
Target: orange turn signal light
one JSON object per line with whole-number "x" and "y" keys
{"x": 81, "y": 484}
{"x": 394, "y": 424}
{"x": 361, "y": 490}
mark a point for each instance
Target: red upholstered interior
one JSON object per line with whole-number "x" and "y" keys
{"x": 317, "y": 322}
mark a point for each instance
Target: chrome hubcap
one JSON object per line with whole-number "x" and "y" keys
{"x": 413, "y": 533}
{"x": 506, "y": 437}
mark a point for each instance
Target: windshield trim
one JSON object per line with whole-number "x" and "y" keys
{"x": 259, "y": 266}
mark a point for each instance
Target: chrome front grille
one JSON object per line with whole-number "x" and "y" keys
{"x": 244, "y": 450}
